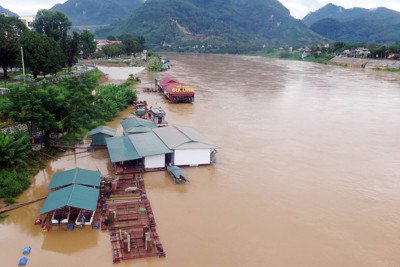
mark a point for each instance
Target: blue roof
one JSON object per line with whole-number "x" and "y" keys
{"x": 75, "y": 176}
{"x": 77, "y": 196}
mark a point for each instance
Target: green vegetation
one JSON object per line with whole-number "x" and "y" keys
{"x": 230, "y": 26}
{"x": 354, "y": 25}
{"x": 2, "y": 217}
{"x": 92, "y": 12}
{"x": 67, "y": 109}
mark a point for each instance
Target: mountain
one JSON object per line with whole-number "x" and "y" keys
{"x": 96, "y": 12}
{"x": 214, "y": 22}
{"x": 378, "y": 25}
{"x": 10, "y": 14}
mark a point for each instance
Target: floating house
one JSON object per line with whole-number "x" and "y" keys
{"x": 100, "y": 134}
{"x": 75, "y": 176}
{"x": 75, "y": 190}
{"x": 189, "y": 146}
{"x": 138, "y": 152}
{"x": 136, "y": 125}
{"x": 175, "y": 91}
{"x": 71, "y": 198}
{"x": 140, "y": 108}
{"x": 157, "y": 115}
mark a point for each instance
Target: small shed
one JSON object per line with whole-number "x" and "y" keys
{"x": 136, "y": 125}
{"x": 75, "y": 176}
{"x": 100, "y": 134}
{"x": 157, "y": 115}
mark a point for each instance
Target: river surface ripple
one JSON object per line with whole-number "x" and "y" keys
{"x": 308, "y": 173}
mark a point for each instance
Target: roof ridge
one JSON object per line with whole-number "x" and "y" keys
{"x": 70, "y": 194}
{"x": 75, "y": 175}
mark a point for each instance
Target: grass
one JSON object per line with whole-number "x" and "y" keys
{"x": 2, "y": 217}
{"x": 387, "y": 69}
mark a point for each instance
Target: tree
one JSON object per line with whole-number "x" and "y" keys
{"x": 39, "y": 108}
{"x": 52, "y": 24}
{"x": 11, "y": 28}
{"x": 86, "y": 43}
{"x": 41, "y": 53}
{"x": 69, "y": 46}
{"x": 14, "y": 148}
{"x": 111, "y": 38}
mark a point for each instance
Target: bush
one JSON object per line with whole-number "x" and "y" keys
{"x": 12, "y": 183}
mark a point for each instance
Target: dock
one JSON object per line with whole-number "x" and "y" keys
{"x": 126, "y": 213}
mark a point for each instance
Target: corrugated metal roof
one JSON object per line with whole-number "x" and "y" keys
{"x": 175, "y": 87}
{"x": 121, "y": 149}
{"x": 148, "y": 144}
{"x": 75, "y": 176}
{"x": 77, "y": 196}
{"x": 176, "y": 137}
{"x": 104, "y": 130}
{"x": 137, "y": 125}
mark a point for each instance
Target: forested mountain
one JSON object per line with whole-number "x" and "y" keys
{"x": 96, "y": 12}
{"x": 250, "y": 23}
{"x": 10, "y": 14}
{"x": 378, "y": 25}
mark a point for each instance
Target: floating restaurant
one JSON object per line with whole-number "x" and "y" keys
{"x": 175, "y": 91}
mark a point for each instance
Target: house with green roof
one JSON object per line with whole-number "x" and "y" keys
{"x": 100, "y": 134}
{"x": 137, "y": 152}
{"x": 136, "y": 125}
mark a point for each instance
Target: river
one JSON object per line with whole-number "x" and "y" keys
{"x": 308, "y": 173}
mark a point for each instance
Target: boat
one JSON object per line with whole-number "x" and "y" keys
{"x": 61, "y": 216}
{"x": 85, "y": 217}
{"x": 175, "y": 91}
{"x": 177, "y": 174}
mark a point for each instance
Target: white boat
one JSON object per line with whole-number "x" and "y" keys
{"x": 85, "y": 217}
{"x": 61, "y": 216}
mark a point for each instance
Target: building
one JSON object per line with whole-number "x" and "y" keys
{"x": 136, "y": 125}
{"x": 101, "y": 43}
{"x": 175, "y": 91}
{"x": 5, "y": 14}
{"x": 189, "y": 146}
{"x": 28, "y": 21}
{"x": 137, "y": 152}
{"x": 157, "y": 115}
{"x": 100, "y": 134}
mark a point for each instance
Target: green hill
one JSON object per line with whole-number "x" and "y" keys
{"x": 10, "y": 14}
{"x": 248, "y": 24}
{"x": 379, "y": 25}
{"x": 96, "y": 12}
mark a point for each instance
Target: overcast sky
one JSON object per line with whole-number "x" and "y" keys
{"x": 298, "y": 8}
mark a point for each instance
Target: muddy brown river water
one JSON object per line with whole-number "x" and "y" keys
{"x": 308, "y": 173}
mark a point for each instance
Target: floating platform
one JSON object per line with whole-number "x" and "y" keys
{"x": 128, "y": 216}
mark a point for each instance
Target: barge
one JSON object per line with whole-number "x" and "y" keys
{"x": 175, "y": 91}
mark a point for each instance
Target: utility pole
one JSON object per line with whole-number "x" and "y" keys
{"x": 23, "y": 65}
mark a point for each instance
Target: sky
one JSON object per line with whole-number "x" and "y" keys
{"x": 298, "y": 8}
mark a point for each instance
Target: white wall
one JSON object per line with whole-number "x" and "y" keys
{"x": 192, "y": 156}
{"x": 157, "y": 161}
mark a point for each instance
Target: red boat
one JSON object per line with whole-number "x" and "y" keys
{"x": 175, "y": 91}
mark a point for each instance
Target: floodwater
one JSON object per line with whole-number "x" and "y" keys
{"x": 308, "y": 173}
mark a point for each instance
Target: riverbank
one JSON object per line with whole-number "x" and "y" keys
{"x": 367, "y": 63}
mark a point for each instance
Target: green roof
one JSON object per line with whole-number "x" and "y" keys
{"x": 104, "y": 130}
{"x": 75, "y": 176}
{"x": 178, "y": 137}
{"x": 137, "y": 125}
{"x": 121, "y": 149}
{"x": 77, "y": 196}
{"x": 148, "y": 144}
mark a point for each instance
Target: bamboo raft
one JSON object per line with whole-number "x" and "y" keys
{"x": 16, "y": 206}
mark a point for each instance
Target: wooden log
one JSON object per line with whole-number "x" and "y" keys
{"x": 16, "y": 206}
